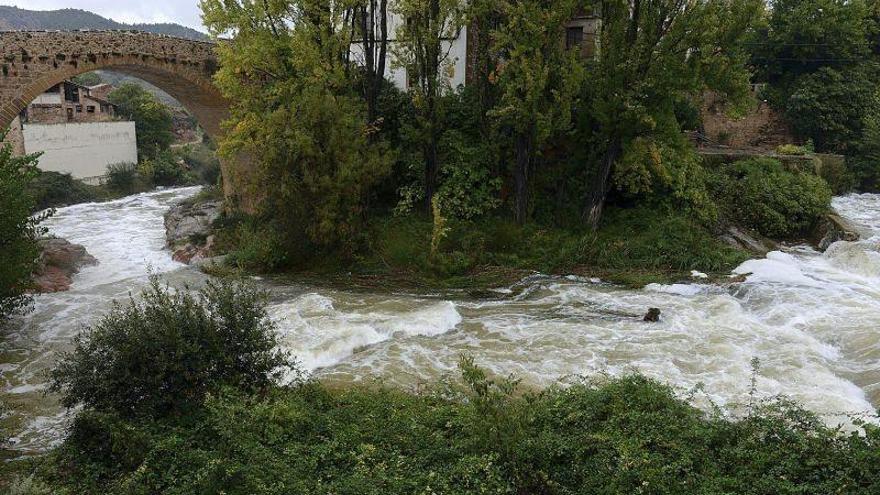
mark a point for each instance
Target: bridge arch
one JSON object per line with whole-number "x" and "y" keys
{"x": 34, "y": 61}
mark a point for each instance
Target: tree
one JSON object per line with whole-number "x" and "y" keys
{"x": 19, "y": 230}
{"x": 369, "y": 31}
{"x": 829, "y": 106}
{"x": 152, "y": 119}
{"x": 803, "y": 36}
{"x": 88, "y": 79}
{"x": 423, "y": 47}
{"x": 297, "y": 113}
{"x": 539, "y": 82}
{"x": 652, "y": 54}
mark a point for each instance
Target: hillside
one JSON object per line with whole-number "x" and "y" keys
{"x": 14, "y": 18}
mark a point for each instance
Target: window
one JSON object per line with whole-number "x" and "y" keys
{"x": 79, "y": 109}
{"x": 574, "y": 37}
{"x": 90, "y": 109}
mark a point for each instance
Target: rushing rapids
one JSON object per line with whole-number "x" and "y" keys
{"x": 810, "y": 318}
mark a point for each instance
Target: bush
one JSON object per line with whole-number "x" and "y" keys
{"x": 165, "y": 170}
{"x": 478, "y": 435}
{"x": 18, "y": 229}
{"x": 122, "y": 177}
{"x": 257, "y": 249}
{"x": 52, "y": 189}
{"x": 203, "y": 162}
{"x": 762, "y": 195}
{"x": 162, "y": 354}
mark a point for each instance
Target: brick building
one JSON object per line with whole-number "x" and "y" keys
{"x": 69, "y": 102}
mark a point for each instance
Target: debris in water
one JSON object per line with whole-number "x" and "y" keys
{"x": 653, "y": 315}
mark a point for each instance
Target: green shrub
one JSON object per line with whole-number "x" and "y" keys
{"x": 203, "y": 162}
{"x": 18, "y": 229}
{"x": 122, "y": 177}
{"x": 478, "y": 435}
{"x": 160, "y": 355}
{"x": 762, "y": 195}
{"x": 652, "y": 238}
{"x": 165, "y": 170}
{"x": 792, "y": 149}
{"x": 52, "y": 189}
{"x": 257, "y": 249}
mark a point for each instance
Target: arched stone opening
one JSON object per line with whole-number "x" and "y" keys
{"x": 32, "y": 62}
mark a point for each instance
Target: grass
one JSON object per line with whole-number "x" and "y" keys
{"x": 633, "y": 247}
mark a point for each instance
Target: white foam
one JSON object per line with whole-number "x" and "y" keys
{"x": 320, "y": 335}
{"x": 679, "y": 289}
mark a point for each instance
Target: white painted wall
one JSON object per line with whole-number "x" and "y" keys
{"x": 82, "y": 149}
{"x": 48, "y": 99}
{"x": 456, "y": 61}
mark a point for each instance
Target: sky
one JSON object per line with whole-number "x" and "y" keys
{"x": 184, "y": 12}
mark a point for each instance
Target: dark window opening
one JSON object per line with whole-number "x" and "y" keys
{"x": 90, "y": 109}
{"x": 79, "y": 109}
{"x": 574, "y": 37}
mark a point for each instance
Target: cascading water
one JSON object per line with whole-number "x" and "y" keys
{"x": 810, "y": 318}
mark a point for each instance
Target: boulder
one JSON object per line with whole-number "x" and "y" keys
{"x": 834, "y": 228}
{"x": 189, "y": 222}
{"x": 188, "y": 230}
{"x": 59, "y": 261}
{"x": 750, "y": 242}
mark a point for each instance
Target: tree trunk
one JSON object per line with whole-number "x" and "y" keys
{"x": 431, "y": 171}
{"x": 521, "y": 177}
{"x": 599, "y": 188}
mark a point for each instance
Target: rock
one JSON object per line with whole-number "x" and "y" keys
{"x": 59, "y": 261}
{"x": 187, "y": 222}
{"x": 188, "y": 230}
{"x": 834, "y": 228}
{"x": 653, "y": 315}
{"x": 753, "y": 243}
{"x": 192, "y": 253}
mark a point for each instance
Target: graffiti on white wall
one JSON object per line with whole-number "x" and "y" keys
{"x": 82, "y": 149}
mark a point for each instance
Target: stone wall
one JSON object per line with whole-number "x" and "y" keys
{"x": 15, "y": 137}
{"x": 760, "y": 128}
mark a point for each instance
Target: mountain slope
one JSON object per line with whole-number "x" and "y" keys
{"x": 14, "y": 18}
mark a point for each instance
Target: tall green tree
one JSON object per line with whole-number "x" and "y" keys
{"x": 297, "y": 112}
{"x": 539, "y": 81}
{"x": 652, "y": 54}
{"x": 802, "y": 36}
{"x": 19, "y": 230}
{"x": 423, "y": 49}
{"x": 152, "y": 119}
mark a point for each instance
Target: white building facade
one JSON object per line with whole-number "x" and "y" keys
{"x": 84, "y": 150}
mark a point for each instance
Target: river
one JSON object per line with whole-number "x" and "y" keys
{"x": 811, "y": 319}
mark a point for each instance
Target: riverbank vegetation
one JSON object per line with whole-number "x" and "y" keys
{"x": 514, "y": 171}
{"x": 178, "y": 395}
{"x": 819, "y": 60}
{"x": 19, "y": 230}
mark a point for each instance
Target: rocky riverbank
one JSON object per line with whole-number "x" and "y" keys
{"x": 188, "y": 230}
{"x": 59, "y": 261}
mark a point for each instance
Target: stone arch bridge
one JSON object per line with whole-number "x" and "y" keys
{"x": 34, "y": 61}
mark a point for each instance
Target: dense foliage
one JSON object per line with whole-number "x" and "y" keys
{"x": 820, "y": 58}
{"x": 152, "y": 119}
{"x": 53, "y": 189}
{"x": 18, "y": 229}
{"x": 773, "y": 201}
{"x": 627, "y": 435}
{"x": 161, "y": 354}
